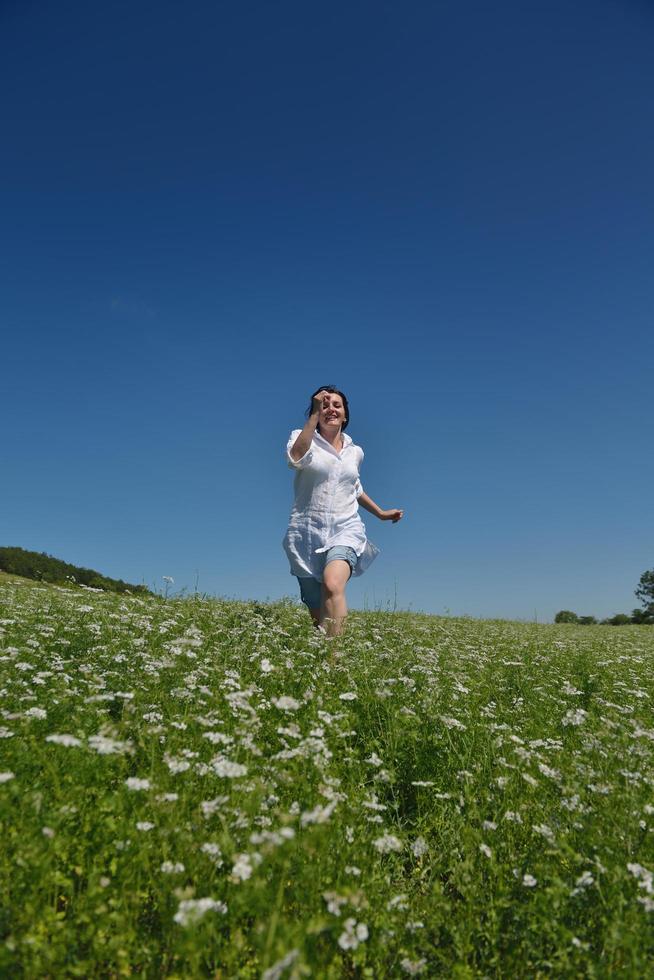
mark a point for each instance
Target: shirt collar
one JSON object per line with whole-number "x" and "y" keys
{"x": 347, "y": 440}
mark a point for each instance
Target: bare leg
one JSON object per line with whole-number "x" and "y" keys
{"x": 334, "y": 607}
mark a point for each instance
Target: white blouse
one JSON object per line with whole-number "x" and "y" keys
{"x": 325, "y": 511}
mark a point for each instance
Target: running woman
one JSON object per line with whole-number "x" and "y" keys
{"x": 326, "y": 539}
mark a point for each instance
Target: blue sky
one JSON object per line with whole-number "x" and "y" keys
{"x": 444, "y": 208}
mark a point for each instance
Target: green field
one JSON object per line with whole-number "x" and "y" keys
{"x": 204, "y": 788}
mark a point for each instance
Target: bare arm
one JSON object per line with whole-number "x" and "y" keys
{"x": 303, "y": 441}
{"x": 384, "y": 515}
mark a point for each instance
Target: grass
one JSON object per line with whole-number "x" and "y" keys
{"x": 207, "y": 788}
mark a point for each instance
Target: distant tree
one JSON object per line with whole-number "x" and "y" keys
{"x": 620, "y": 619}
{"x": 645, "y": 592}
{"x": 566, "y": 616}
{"x": 587, "y": 621}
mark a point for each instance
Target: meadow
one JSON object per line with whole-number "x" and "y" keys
{"x": 194, "y": 787}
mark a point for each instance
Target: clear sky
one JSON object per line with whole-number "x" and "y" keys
{"x": 444, "y": 208}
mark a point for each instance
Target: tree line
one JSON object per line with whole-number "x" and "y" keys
{"x": 642, "y": 616}
{"x": 44, "y": 568}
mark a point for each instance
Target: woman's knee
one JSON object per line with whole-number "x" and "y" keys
{"x": 335, "y": 579}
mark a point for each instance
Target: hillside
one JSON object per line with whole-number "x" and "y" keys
{"x": 42, "y": 567}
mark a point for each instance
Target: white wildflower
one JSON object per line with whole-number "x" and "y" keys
{"x": 218, "y": 738}
{"x": 242, "y": 867}
{"x": 413, "y": 967}
{"x": 68, "y": 740}
{"x": 47, "y": 831}
{"x": 485, "y": 849}
{"x": 266, "y": 666}
{"x": 355, "y": 933}
{"x": 227, "y": 769}
{"x": 209, "y": 807}
{"x": 153, "y": 716}
{"x": 320, "y": 814}
{"x": 452, "y": 722}
{"x": 169, "y": 868}
{"x": 419, "y": 847}
{"x": 36, "y": 713}
{"x": 176, "y": 765}
{"x": 285, "y": 703}
{"x": 544, "y": 831}
{"x": 191, "y": 910}
{"x": 529, "y": 881}
{"x": 213, "y": 850}
{"x": 575, "y": 716}
{"x": 109, "y": 746}
{"x": 645, "y": 877}
{"x": 388, "y": 843}
{"x": 348, "y": 696}
{"x": 334, "y": 902}
{"x": 6, "y": 776}
{"x": 584, "y": 880}
{"x": 144, "y": 825}
{"x": 275, "y": 971}
{"x": 547, "y": 771}
{"x": 133, "y": 783}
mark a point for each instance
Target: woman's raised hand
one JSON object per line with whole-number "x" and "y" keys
{"x": 318, "y": 402}
{"x": 393, "y": 515}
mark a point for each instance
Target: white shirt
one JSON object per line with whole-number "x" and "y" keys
{"x": 325, "y": 512}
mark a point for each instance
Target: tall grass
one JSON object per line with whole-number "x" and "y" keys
{"x": 206, "y": 788}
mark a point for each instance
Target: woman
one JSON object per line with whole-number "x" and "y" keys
{"x": 326, "y": 539}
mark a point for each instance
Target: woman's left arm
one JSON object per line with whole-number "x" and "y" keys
{"x": 368, "y": 504}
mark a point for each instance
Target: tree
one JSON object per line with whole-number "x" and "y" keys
{"x": 566, "y": 616}
{"x": 645, "y": 592}
{"x": 587, "y": 621}
{"x": 620, "y": 619}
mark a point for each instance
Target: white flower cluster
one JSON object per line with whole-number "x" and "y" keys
{"x": 285, "y": 703}
{"x": 227, "y": 769}
{"x": 354, "y": 934}
{"x": 191, "y": 910}
{"x": 388, "y": 843}
{"x": 646, "y": 882}
{"x": 452, "y": 723}
{"x": 170, "y": 868}
{"x": 575, "y": 717}
{"x": 68, "y": 740}
{"x": 133, "y": 783}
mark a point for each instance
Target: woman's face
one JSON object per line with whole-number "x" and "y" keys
{"x": 332, "y": 413}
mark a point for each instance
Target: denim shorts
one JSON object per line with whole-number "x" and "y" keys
{"x": 311, "y": 588}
